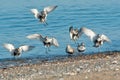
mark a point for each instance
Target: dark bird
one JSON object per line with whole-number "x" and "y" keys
{"x": 17, "y": 51}
{"x": 74, "y": 34}
{"x": 47, "y": 41}
{"x": 81, "y": 47}
{"x": 98, "y": 39}
{"x": 43, "y": 14}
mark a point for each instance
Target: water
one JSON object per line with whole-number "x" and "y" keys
{"x": 16, "y": 22}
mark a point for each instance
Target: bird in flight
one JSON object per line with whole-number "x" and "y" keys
{"x": 97, "y": 39}
{"x": 17, "y": 51}
{"x": 74, "y": 34}
{"x": 47, "y": 41}
{"x": 42, "y": 15}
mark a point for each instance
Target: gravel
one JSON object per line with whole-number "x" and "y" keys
{"x": 101, "y": 66}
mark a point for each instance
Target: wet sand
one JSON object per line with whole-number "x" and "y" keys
{"x": 84, "y": 67}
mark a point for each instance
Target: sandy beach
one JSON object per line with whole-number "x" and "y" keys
{"x": 87, "y": 67}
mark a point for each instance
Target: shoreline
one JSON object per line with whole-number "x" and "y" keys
{"x": 86, "y": 67}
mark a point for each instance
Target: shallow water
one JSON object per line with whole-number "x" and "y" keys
{"x": 16, "y": 22}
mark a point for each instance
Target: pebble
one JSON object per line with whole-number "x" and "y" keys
{"x": 61, "y": 79}
{"x": 60, "y": 70}
{"x": 116, "y": 69}
{"x": 86, "y": 77}
{"x": 88, "y": 70}
{"x": 114, "y": 62}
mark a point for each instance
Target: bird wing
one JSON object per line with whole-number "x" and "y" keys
{"x": 35, "y": 12}
{"x": 9, "y": 47}
{"x": 70, "y": 29}
{"x": 35, "y": 36}
{"x": 105, "y": 38}
{"x": 87, "y": 32}
{"x": 26, "y": 48}
{"x": 49, "y": 8}
{"x": 55, "y": 42}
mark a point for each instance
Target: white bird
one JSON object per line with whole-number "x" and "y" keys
{"x": 17, "y": 51}
{"x": 81, "y": 47}
{"x": 47, "y": 41}
{"x": 42, "y": 15}
{"x": 97, "y": 39}
{"x": 74, "y": 34}
{"x": 69, "y": 49}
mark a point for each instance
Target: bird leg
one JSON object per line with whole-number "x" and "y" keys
{"x": 76, "y": 43}
{"x": 45, "y": 23}
{"x": 46, "y": 51}
{"x": 49, "y": 49}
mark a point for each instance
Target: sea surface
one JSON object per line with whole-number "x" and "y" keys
{"x": 17, "y": 21}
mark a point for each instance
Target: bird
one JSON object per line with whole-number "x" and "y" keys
{"x": 47, "y": 41}
{"x": 97, "y": 39}
{"x": 81, "y": 47}
{"x": 74, "y": 34}
{"x": 69, "y": 49}
{"x": 17, "y": 51}
{"x": 42, "y": 15}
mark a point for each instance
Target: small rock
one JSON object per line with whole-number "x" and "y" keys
{"x": 88, "y": 70}
{"x": 86, "y": 77}
{"x": 114, "y": 62}
{"x": 116, "y": 69}
{"x": 40, "y": 73}
{"x": 81, "y": 67}
{"x": 70, "y": 73}
{"x": 107, "y": 57}
{"x": 78, "y": 69}
{"x": 61, "y": 79}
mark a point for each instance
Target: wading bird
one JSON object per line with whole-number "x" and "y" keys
{"x": 98, "y": 39}
{"x": 43, "y": 14}
{"x": 47, "y": 41}
{"x": 17, "y": 51}
{"x": 69, "y": 49}
{"x": 81, "y": 47}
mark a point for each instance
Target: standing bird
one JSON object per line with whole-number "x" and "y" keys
{"x": 47, "y": 41}
{"x": 17, "y": 51}
{"x": 97, "y": 39}
{"x": 69, "y": 50}
{"x": 74, "y": 34}
{"x": 81, "y": 47}
{"x": 43, "y": 14}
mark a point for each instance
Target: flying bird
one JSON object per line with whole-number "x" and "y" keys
{"x": 81, "y": 47}
{"x": 47, "y": 41}
{"x": 69, "y": 49}
{"x": 74, "y": 34}
{"x": 98, "y": 39}
{"x": 17, "y": 51}
{"x": 42, "y": 15}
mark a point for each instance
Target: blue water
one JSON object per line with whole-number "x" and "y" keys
{"x": 16, "y": 22}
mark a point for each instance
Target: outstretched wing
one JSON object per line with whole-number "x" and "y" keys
{"x": 35, "y": 36}
{"x": 105, "y": 38}
{"x": 55, "y": 42}
{"x": 26, "y": 48}
{"x": 70, "y": 29}
{"x": 49, "y": 8}
{"x": 9, "y": 47}
{"x": 87, "y": 32}
{"x": 35, "y": 12}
